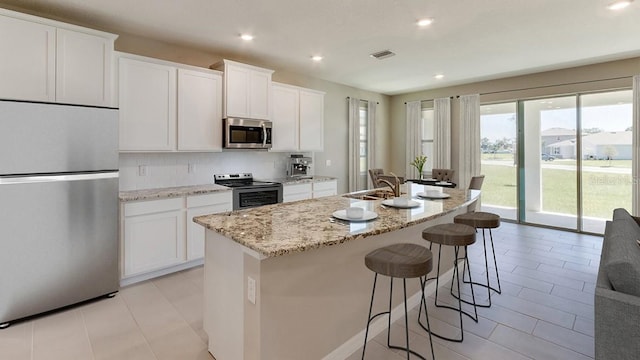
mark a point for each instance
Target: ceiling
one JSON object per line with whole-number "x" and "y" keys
{"x": 469, "y": 40}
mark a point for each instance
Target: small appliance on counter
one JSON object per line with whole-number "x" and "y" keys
{"x": 299, "y": 166}
{"x": 248, "y": 193}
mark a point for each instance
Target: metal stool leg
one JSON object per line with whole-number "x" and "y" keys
{"x": 486, "y": 266}
{"x": 406, "y": 319}
{"x": 456, "y": 276}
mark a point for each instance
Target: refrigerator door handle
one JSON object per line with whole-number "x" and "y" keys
{"x": 56, "y": 178}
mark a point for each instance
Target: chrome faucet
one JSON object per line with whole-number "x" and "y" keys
{"x": 395, "y": 187}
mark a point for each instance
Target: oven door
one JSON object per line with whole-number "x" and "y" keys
{"x": 244, "y": 198}
{"x": 247, "y": 134}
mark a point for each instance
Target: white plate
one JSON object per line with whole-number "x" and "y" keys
{"x": 342, "y": 215}
{"x": 433, "y": 195}
{"x": 443, "y": 183}
{"x": 410, "y": 204}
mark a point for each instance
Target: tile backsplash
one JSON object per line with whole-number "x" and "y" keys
{"x": 159, "y": 170}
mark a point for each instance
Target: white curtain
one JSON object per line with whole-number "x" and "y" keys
{"x": 442, "y": 134}
{"x": 635, "y": 166}
{"x": 414, "y": 135}
{"x": 371, "y": 139}
{"x": 354, "y": 143}
{"x": 469, "y": 163}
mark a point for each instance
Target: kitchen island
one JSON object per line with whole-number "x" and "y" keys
{"x": 285, "y": 282}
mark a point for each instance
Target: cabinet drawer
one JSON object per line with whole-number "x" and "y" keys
{"x": 296, "y": 189}
{"x": 325, "y": 185}
{"x": 153, "y": 206}
{"x": 222, "y": 197}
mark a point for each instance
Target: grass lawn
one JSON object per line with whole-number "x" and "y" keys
{"x": 603, "y": 192}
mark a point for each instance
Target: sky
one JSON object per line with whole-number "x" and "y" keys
{"x": 607, "y": 118}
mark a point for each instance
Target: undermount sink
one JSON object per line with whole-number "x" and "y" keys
{"x": 371, "y": 195}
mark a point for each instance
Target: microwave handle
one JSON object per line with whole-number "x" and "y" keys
{"x": 264, "y": 136}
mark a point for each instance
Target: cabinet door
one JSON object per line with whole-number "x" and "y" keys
{"x": 153, "y": 241}
{"x": 236, "y": 101}
{"x": 325, "y": 188}
{"x": 83, "y": 68}
{"x": 27, "y": 60}
{"x": 285, "y": 118}
{"x": 295, "y": 192}
{"x": 147, "y": 106}
{"x": 311, "y": 121}
{"x": 203, "y": 205}
{"x": 260, "y": 95}
{"x": 199, "y": 111}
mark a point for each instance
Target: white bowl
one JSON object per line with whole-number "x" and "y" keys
{"x": 401, "y": 201}
{"x": 355, "y": 213}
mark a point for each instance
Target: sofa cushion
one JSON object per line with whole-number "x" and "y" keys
{"x": 622, "y": 262}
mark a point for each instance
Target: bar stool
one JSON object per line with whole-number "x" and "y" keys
{"x": 399, "y": 261}
{"x": 456, "y": 235}
{"x": 484, "y": 221}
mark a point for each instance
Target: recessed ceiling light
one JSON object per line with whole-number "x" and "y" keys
{"x": 425, "y": 22}
{"x": 316, "y": 58}
{"x": 617, "y": 5}
{"x": 439, "y": 76}
{"x": 246, "y": 37}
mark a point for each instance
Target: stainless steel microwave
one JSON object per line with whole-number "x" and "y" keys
{"x": 247, "y": 134}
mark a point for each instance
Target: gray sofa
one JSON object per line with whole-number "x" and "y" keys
{"x": 617, "y": 295}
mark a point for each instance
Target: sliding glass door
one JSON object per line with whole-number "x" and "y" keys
{"x": 606, "y": 156}
{"x": 551, "y": 143}
{"x": 561, "y": 162}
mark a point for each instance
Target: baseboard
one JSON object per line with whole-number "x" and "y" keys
{"x": 380, "y": 324}
{"x": 154, "y": 274}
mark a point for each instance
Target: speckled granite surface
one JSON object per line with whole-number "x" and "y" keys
{"x": 165, "y": 193}
{"x": 289, "y": 181}
{"x": 281, "y": 229}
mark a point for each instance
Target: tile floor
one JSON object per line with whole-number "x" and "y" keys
{"x": 545, "y": 312}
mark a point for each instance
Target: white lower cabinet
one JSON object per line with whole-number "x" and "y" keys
{"x": 295, "y": 192}
{"x": 159, "y": 236}
{"x": 203, "y": 205}
{"x": 325, "y": 188}
{"x": 154, "y": 235}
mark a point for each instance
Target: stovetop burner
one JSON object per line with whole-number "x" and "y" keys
{"x": 241, "y": 181}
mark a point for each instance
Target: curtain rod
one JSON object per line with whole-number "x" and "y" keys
{"x": 541, "y": 87}
{"x": 349, "y": 97}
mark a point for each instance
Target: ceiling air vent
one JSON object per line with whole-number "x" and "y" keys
{"x": 382, "y": 54}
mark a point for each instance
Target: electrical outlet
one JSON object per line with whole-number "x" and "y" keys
{"x": 251, "y": 289}
{"x": 328, "y": 163}
{"x": 191, "y": 168}
{"x": 142, "y": 170}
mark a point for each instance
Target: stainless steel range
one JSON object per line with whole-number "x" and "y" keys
{"x": 248, "y": 193}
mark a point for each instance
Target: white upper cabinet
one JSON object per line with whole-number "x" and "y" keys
{"x": 147, "y": 96}
{"x": 83, "y": 68}
{"x": 285, "y": 117}
{"x": 199, "y": 110}
{"x": 298, "y": 118}
{"x": 45, "y": 60}
{"x": 247, "y": 90}
{"x": 166, "y": 106}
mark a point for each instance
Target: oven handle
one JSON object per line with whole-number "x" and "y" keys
{"x": 264, "y": 136}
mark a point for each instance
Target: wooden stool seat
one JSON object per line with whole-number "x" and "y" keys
{"x": 479, "y": 220}
{"x": 450, "y": 234}
{"x": 400, "y": 261}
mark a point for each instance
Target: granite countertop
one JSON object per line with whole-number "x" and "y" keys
{"x": 312, "y": 179}
{"x": 280, "y": 229}
{"x": 178, "y": 191}
{"x": 171, "y": 192}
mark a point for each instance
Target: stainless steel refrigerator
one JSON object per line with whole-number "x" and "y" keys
{"x": 58, "y": 206}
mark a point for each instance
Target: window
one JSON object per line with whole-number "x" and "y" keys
{"x": 427, "y": 137}
{"x": 363, "y": 170}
